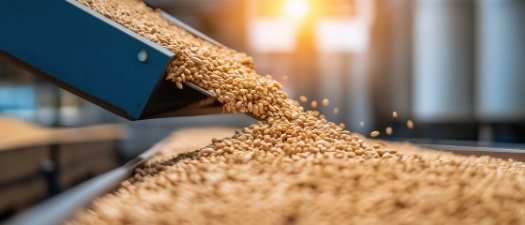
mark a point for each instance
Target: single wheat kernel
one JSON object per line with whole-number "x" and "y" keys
{"x": 325, "y": 102}
{"x": 336, "y": 111}
{"x": 303, "y": 99}
{"x": 388, "y": 130}
{"x": 374, "y": 133}
{"x": 314, "y": 104}
{"x": 410, "y": 124}
{"x": 394, "y": 114}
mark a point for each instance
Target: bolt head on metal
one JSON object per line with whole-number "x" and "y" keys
{"x": 142, "y": 56}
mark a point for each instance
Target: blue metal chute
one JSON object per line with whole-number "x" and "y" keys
{"x": 95, "y": 58}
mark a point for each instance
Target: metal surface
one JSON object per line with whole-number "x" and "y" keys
{"x": 500, "y": 69}
{"x": 97, "y": 59}
{"x": 502, "y": 153}
{"x": 190, "y": 29}
{"x": 59, "y": 209}
{"x": 83, "y": 52}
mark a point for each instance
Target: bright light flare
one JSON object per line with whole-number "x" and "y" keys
{"x": 296, "y": 8}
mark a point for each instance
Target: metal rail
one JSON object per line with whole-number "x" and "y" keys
{"x": 59, "y": 209}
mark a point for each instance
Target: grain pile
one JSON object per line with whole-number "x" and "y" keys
{"x": 234, "y": 182}
{"x": 293, "y": 167}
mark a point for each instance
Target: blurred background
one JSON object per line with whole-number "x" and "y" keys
{"x": 454, "y": 67}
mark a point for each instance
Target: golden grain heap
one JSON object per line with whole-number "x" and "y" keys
{"x": 291, "y": 167}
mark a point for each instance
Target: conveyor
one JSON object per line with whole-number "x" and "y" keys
{"x": 89, "y": 55}
{"x": 62, "y": 207}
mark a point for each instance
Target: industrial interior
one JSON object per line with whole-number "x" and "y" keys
{"x": 85, "y": 103}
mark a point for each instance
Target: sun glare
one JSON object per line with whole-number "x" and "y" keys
{"x": 296, "y": 8}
